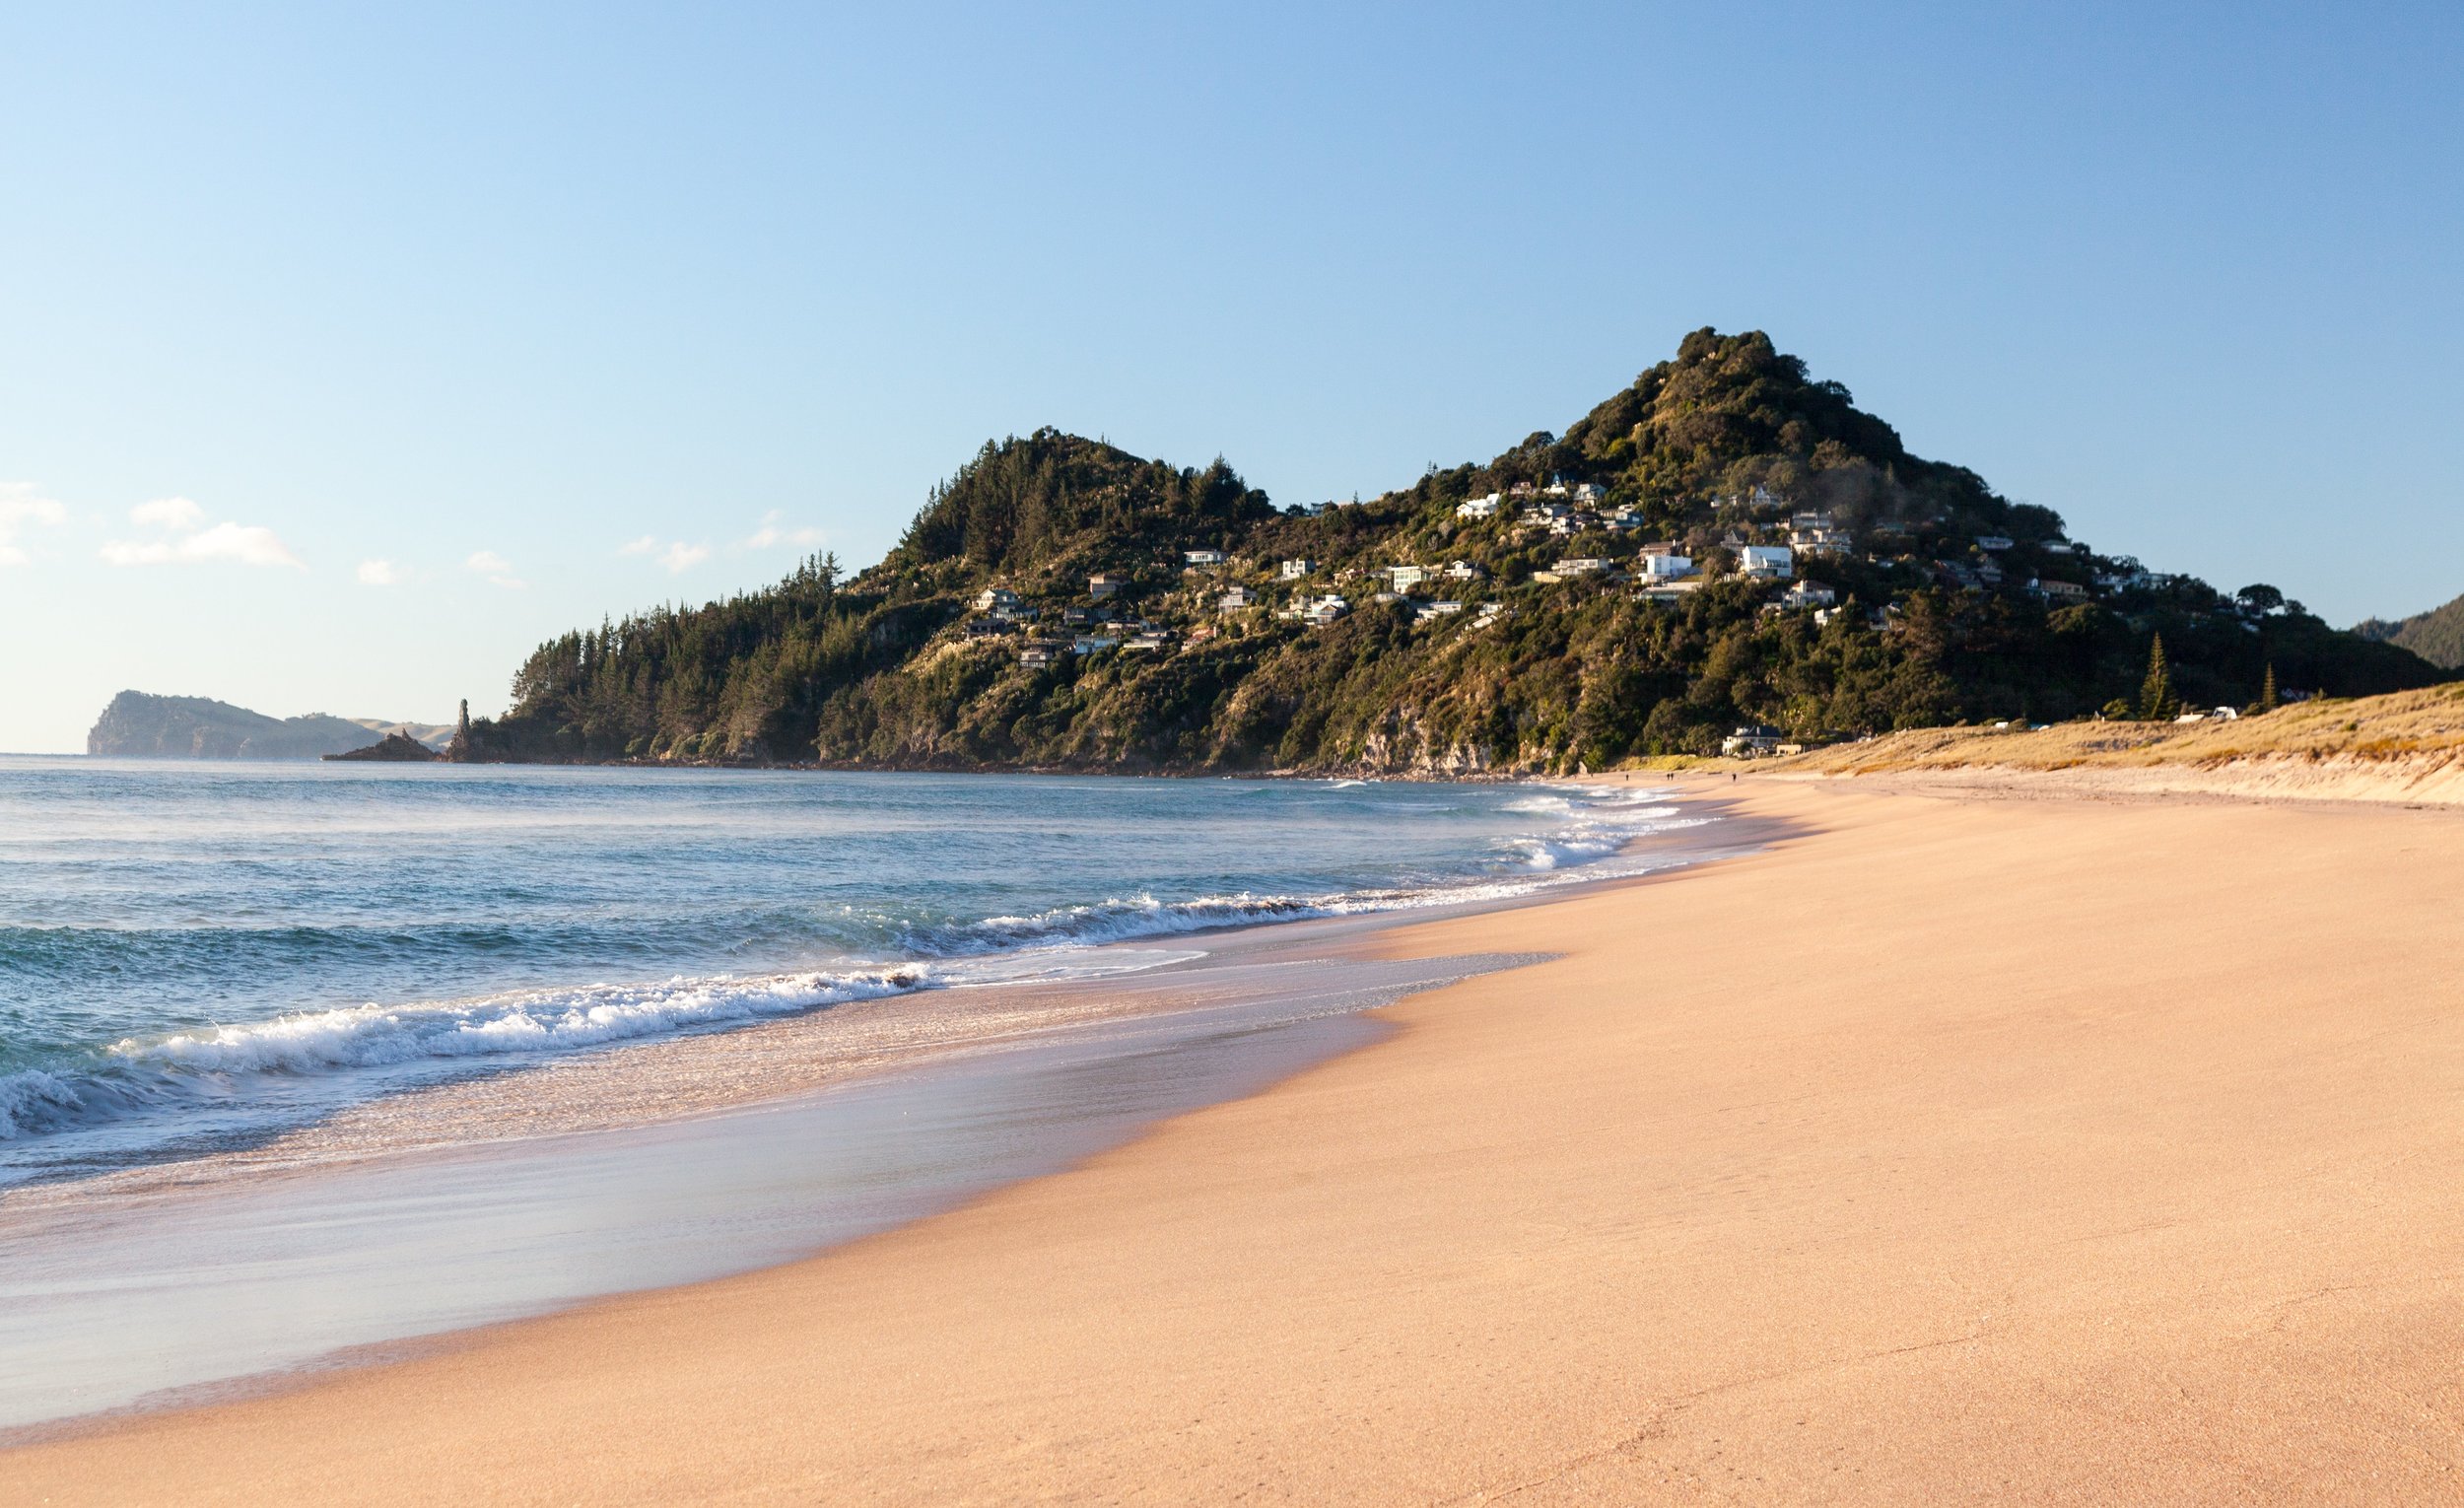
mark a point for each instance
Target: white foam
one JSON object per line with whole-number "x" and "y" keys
{"x": 523, "y": 1021}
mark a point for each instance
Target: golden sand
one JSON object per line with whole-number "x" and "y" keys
{"x": 1953, "y": 1151}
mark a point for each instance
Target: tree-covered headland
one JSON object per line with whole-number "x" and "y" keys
{"x": 1584, "y": 598}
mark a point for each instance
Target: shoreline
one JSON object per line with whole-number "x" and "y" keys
{"x": 1169, "y": 994}
{"x": 1896, "y": 1201}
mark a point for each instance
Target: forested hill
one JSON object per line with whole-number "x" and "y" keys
{"x": 2436, "y": 636}
{"x": 1726, "y": 541}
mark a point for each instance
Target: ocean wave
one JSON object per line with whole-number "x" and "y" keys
{"x": 298, "y": 1064}
{"x": 1605, "y": 822}
{"x": 219, "y": 1064}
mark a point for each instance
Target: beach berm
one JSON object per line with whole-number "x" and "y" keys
{"x": 1951, "y": 1149}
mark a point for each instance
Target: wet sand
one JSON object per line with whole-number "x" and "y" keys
{"x": 1954, "y": 1150}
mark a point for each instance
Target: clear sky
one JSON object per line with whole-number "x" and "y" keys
{"x": 347, "y": 352}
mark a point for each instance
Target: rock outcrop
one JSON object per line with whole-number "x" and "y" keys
{"x": 393, "y": 748}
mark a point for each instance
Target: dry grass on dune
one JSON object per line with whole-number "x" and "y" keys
{"x": 2412, "y": 727}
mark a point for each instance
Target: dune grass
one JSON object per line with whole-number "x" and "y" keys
{"x": 2403, "y": 726}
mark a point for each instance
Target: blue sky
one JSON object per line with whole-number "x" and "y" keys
{"x": 343, "y": 357}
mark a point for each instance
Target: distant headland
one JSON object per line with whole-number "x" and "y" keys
{"x": 140, "y": 725}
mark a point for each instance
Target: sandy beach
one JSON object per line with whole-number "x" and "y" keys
{"x": 1954, "y": 1149}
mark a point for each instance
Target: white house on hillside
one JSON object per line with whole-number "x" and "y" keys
{"x": 1478, "y": 508}
{"x": 1770, "y": 562}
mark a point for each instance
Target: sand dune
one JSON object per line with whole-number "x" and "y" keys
{"x": 1950, "y": 1151}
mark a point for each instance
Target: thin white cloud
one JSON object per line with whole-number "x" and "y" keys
{"x": 773, "y": 533}
{"x": 674, "y": 556}
{"x": 181, "y": 537}
{"x": 178, "y": 515}
{"x": 23, "y": 506}
{"x": 381, "y": 573}
{"x": 496, "y": 568}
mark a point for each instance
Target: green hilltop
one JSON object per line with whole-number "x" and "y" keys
{"x": 1726, "y": 541}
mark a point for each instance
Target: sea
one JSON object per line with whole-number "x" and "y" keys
{"x": 570, "y": 1018}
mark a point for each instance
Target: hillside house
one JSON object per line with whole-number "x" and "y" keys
{"x": 1427, "y": 610}
{"x": 1236, "y": 599}
{"x": 1089, "y": 643}
{"x": 1666, "y": 566}
{"x": 1993, "y": 542}
{"x": 1103, "y": 585}
{"x": 1765, "y": 563}
{"x": 1294, "y": 569}
{"x": 1582, "y": 565}
{"x": 1038, "y": 654}
{"x": 1195, "y": 558}
{"x": 1590, "y": 493}
{"x": 1810, "y": 594}
{"x": 997, "y": 599}
{"x": 1752, "y": 740}
{"x": 1404, "y": 577}
{"x": 1146, "y": 642}
{"x": 1819, "y": 539}
{"x": 1464, "y": 571}
{"x": 2064, "y": 592}
{"x": 1478, "y": 508}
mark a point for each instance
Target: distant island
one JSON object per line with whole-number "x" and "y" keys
{"x": 1727, "y": 541}
{"x": 139, "y": 725}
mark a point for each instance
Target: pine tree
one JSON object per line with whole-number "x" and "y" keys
{"x": 2268, "y": 700}
{"x": 2157, "y": 702}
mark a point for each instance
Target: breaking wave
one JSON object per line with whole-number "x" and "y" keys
{"x": 226, "y": 1062}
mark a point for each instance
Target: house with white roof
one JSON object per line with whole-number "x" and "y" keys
{"x": 1478, "y": 508}
{"x": 1294, "y": 569}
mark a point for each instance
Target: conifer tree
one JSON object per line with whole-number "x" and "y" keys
{"x": 2268, "y": 700}
{"x": 2157, "y": 702}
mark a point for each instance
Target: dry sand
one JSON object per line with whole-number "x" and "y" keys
{"x": 1959, "y": 1150}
